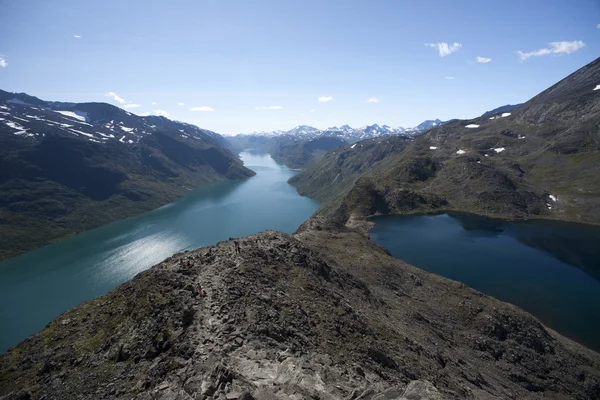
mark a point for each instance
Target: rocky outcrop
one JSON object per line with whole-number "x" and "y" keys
{"x": 323, "y": 314}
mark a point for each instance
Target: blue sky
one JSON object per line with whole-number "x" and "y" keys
{"x": 242, "y": 66}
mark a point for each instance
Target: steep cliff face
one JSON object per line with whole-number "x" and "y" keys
{"x": 324, "y": 313}
{"x": 541, "y": 160}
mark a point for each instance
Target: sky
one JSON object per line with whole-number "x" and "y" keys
{"x": 242, "y": 66}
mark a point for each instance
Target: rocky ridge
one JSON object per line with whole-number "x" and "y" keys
{"x": 323, "y": 313}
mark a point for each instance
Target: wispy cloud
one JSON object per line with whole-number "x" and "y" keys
{"x": 132, "y": 105}
{"x": 555, "y": 48}
{"x": 598, "y": 26}
{"x": 77, "y": 36}
{"x": 325, "y": 99}
{"x": 161, "y": 113}
{"x": 311, "y": 110}
{"x": 202, "y": 108}
{"x": 153, "y": 103}
{"x": 3, "y": 62}
{"x": 483, "y": 60}
{"x": 116, "y": 97}
{"x": 450, "y": 77}
{"x": 373, "y": 100}
{"x": 444, "y": 48}
{"x": 181, "y": 104}
{"x": 269, "y": 108}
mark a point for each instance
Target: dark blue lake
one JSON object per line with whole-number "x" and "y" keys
{"x": 551, "y": 269}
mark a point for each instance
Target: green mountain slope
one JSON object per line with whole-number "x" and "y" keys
{"x": 540, "y": 161}
{"x": 301, "y": 153}
{"x": 69, "y": 167}
{"x": 336, "y": 174}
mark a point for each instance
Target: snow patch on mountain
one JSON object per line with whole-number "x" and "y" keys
{"x": 79, "y": 115}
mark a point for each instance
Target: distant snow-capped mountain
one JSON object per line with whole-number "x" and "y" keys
{"x": 30, "y": 117}
{"x": 346, "y": 132}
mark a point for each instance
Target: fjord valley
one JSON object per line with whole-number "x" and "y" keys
{"x": 267, "y": 200}
{"x": 38, "y": 286}
{"x": 304, "y": 146}
{"x": 69, "y": 167}
{"x": 327, "y": 313}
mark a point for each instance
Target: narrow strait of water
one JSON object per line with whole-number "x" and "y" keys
{"x": 38, "y": 286}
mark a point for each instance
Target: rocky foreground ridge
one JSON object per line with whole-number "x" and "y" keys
{"x": 321, "y": 314}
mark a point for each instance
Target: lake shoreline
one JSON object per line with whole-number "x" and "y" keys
{"x": 498, "y": 217}
{"x": 546, "y": 267}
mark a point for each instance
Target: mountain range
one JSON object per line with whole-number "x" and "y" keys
{"x": 345, "y": 132}
{"x": 323, "y": 313}
{"x": 69, "y": 167}
{"x": 304, "y": 146}
{"x": 539, "y": 160}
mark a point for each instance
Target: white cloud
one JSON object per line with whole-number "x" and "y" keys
{"x": 181, "y": 104}
{"x": 269, "y": 108}
{"x": 450, "y": 77}
{"x": 77, "y": 36}
{"x": 116, "y": 97}
{"x": 3, "y": 62}
{"x": 153, "y": 103}
{"x": 132, "y": 105}
{"x": 373, "y": 100}
{"x": 311, "y": 110}
{"x": 202, "y": 108}
{"x": 444, "y": 48}
{"x": 325, "y": 99}
{"x": 598, "y": 26}
{"x": 555, "y": 48}
{"x": 483, "y": 60}
{"x": 161, "y": 113}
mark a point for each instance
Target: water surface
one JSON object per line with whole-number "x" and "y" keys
{"x": 38, "y": 286}
{"x": 551, "y": 269}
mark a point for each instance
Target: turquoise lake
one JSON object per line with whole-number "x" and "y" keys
{"x": 38, "y": 286}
